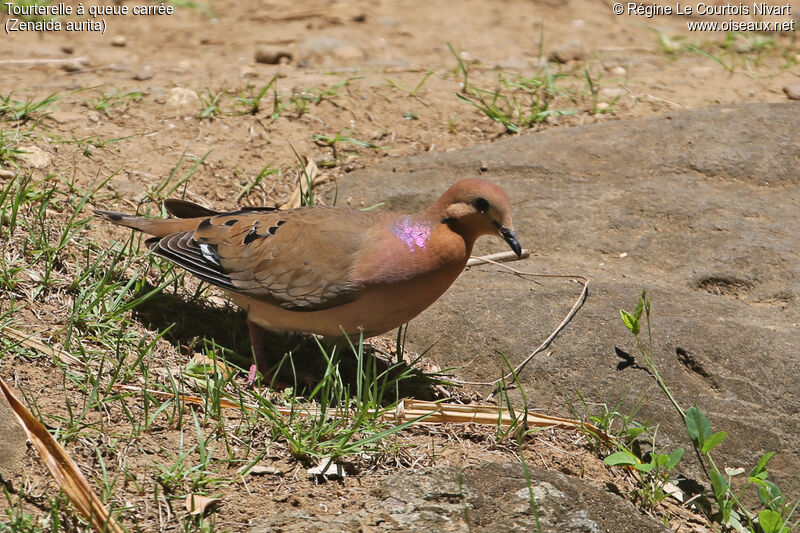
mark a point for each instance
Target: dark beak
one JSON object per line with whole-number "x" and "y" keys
{"x": 509, "y": 236}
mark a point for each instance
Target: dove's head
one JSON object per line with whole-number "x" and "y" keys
{"x": 475, "y": 207}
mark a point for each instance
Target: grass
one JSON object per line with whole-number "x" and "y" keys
{"x": 736, "y": 50}
{"x": 30, "y": 108}
{"x": 518, "y": 102}
{"x": 45, "y": 231}
{"x": 334, "y": 142}
{"x": 117, "y": 101}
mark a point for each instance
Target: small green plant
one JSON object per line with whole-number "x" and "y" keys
{"x": 653, "y": 474}
{"x": 165, "y": 190}
{"x": 209, "y": 103}
{"x": 342, "y": 138}
{"x": 593, "y": 85}
{"x": 462, "y": 68}
{"x": 200, "y": 7}
{"x": 338, "y": 419}
{"x": 252, "y": 102}
{"x": 519, "y": 102}
{"x": 668, "y": 44}
{"x": 23, "y": 110}
{"x": 257, "y": 181}
{"x": 776, "y": 512}
{"x": 116, "y": 101}
{"x": 411, "y": 92}
{"x": 10, "y": 151}
{"x": 621, "y": 426}
{"x": 18, "y": 520}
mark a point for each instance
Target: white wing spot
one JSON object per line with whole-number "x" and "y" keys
{"x": 209, "y": 254}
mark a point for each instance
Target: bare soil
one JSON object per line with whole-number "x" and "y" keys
{"x": 381, "y": 76}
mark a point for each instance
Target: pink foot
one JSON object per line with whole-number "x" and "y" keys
{"x": 251, "y": 378}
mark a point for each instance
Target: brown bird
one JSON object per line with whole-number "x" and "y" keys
{"x": 329, "y": 270}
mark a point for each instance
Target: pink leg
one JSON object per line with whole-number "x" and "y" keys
{"x": 259, "y": 356}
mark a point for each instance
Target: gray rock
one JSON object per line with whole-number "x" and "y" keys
{"x": 483, "y": 499}
{"x": 12, "y": 443}
{"x": 272, "y": 55}
{"x": 704, "y": 203}
{"x": 568, "y": 52}
{"x": 35, "y": 157}
{"x": 328, "y": 50}
{"x": 184, "y": 101}
{"x": 145, "y": 74}
{"x": 792, "y": 91}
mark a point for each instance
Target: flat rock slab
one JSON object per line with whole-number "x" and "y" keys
{"x": 486, "y": 498}
{"x": 699, "y": 207}
{"x": 12, "y": 443}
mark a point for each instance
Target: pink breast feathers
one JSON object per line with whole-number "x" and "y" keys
{"x": 413, "y": 234}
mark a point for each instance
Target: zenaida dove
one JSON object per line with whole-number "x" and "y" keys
{"x": 326, "y": 270}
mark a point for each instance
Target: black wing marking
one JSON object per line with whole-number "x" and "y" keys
{"x": 184, "y": 251}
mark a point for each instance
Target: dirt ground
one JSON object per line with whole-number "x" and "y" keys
{"x": 156, "y": 99}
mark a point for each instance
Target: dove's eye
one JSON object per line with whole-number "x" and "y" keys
{"x": 481, "y": 204}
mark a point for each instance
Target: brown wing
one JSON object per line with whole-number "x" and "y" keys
{"x": 300, "y": 259}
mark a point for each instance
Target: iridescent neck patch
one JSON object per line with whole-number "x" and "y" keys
{"x": 413, "y": 234}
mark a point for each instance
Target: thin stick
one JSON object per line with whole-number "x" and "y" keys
{"x": 419, "y": 412}
{"x": 578, "y": 303}
{"x": 29, "y": 341}
{"x": 498, "y": 257}
{"x": 43, "y": 61}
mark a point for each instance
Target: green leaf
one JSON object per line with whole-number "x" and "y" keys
{"x": 661, "y": 459}
{"x": 639, "y": 307}
{"x": 719, "y": 485}
{"x": 621, "y": 458}
{"x": 770, "y": 495}
{"x": 712, "y": 441}
{"x": 632, "y": 433}
{"x": 674, "y": 458}
{"x": 644, "y": 467}
{"x": 735, "y": 522}
{"x": 630, "y": 321}
{"x": 770, "y": 521}
{"x": 733, "y": 471}
{"x": 761, "y": 467}
{"x": 697, "y": 426}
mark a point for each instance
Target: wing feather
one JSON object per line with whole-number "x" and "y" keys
{"x": 300, "y": 259}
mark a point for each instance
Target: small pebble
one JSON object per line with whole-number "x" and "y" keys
{"x": 792, "y": 91}
{"x": 611, "y": 93}
{"x": 119, "y": 40}
{"x": 259, "y": 470}
{"x": 568, "y": 52}
{"x": 184, "y": 100}
{"x": 272, "y": 55}
{"x": 35, "y": 157}
{"x": 248, "y": 72}
{"x": 68, "y": 49}
{"x": 618, "y": 71}
{"x": 348, "y": 52}
{"x": 72, "y": 66}
{"x": 145, "y": 74}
